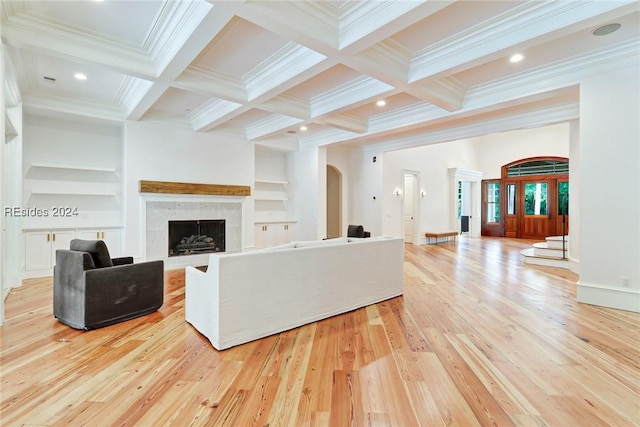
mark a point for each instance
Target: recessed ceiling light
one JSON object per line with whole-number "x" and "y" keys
{"x": 303, "y": 128}
{"x": 516, "y": 58}
{"x": 80, "y": 76}
{"x": 381, "y": 103}
{"x": 606, "y": 29}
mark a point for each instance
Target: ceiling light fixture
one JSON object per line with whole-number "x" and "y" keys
{"x": 303, "y": 128}
{"x": 381, "y": 103}
{"x": 606, "y": 29}
{"x": 516, "y": 58}
{"x": 80, "y": 76}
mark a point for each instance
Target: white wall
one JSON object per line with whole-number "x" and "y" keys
{"x": 164, "y": 153}
{"x": 486, "y": 154}
{"x": 338, "y": 157}
{"x": 433, "y": 163}
{"x": 308, "y": 166}
{"x": 497, "y": 149}
{"x": 366, "y": 194}
{"x": 610, "y": 190}
{"x": 12, "y": 197}
{"x": 574, "y": 197}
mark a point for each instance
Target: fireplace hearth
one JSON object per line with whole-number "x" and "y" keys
{"x": 191, "y": 237}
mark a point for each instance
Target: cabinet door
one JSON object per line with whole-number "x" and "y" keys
{"x": 60, "y": 240}
{"x": 37, "y": 246}
{"x": 289, "y": 233}
{"x": 112, "y": 239}
{"x": 258, "y": 233}
{"x": 89, "y": 234}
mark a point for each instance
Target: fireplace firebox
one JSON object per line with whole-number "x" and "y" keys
{"x": 191, "y": 237}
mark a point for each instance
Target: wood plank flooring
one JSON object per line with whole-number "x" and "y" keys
{"x": 478, "y": 339}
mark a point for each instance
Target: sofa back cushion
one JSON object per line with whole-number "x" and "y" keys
{"x": 96, "y": 248}
{"x": 328, "y": 242}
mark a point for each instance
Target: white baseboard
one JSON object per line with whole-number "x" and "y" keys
{"x": 574, "y": 265}
{"x": 627, "y": 299}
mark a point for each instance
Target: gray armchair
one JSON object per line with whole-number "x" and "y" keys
{"x": 357, "y": 231}
{"x": 92, "y": 290}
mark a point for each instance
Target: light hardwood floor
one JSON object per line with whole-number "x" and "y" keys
{"x": 477, "y": 339}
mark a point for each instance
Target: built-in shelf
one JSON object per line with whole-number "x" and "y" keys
{"x": 268, "y": 181}
{"x": 70, "y": 167}
{"x": 271, "y": 198}
{"x": 74, "y": 193}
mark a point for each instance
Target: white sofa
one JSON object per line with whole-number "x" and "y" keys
{"x": 250, "y": 295}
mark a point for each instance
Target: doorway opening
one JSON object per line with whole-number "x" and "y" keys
{"x": 529, "y": 201}
{"x": 334, "y": 202}
{"x": 410, "y": 206}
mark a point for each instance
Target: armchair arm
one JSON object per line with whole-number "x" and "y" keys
{"x": 122, "y": 260}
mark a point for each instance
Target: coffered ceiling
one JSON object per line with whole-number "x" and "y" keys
{"x": 261, "y": 70}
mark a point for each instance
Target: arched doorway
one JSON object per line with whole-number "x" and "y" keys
{"x": 334, "y": 202}
{"x": 529, "y": 201}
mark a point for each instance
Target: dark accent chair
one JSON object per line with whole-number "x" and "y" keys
{"x": 357, "y": 231}
{"x": 92, "y": 290}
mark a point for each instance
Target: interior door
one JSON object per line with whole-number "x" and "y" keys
{"x": 408, "y": 208}
{"x": 538, "y": 204}
{"x": 491, "y": 224}
{"x": 562, "y": 213}
{"x": 510, "y": 209}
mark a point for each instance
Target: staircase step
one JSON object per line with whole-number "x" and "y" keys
{"x": 556, "y": 242}
{"x": 529, "y": 257}
{"x": 543, "y": 249}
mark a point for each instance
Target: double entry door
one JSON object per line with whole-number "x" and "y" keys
{"x": 535, "y": 208}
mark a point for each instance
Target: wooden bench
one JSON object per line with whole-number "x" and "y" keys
{"x": 438, "y": 234}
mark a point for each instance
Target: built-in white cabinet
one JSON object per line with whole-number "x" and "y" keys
{"x": 273, "y": 234}
{"x": 40, "y": 246}
{"x": 110, "y": 236}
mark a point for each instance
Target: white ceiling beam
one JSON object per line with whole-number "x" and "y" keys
{"x": 282, "y": 24}
{"x": 529, "y": 24}
{"x": 177, "y": 58}
{"x": 364, "y": 24}
{"x": 346, "y": 122}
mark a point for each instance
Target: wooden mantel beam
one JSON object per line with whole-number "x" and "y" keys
{"x": 193, "y": 188}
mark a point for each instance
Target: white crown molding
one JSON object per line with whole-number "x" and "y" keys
{"x": 522, "y": 23}
{"x": 356, "y": 90}
{"x": 325, "y": 137}
{"x": 177, "y": 21}
{"x": 270, "y": 125}
{"x": 447, "y": 93}
{"x": 288, "y": 105}
{"x": 41, "y": 33}
{"x": 211, "y": 113}
{"x": 562, "y": 73}
{"x": 291, "y": 60}
{"x": 12, "y": 95}
{"x": 44, "y": 100}
{"x": 359, "y": 19}
{"x": 347, "y": 122}
{"x": 390, "y": 56}
{"x": 218, "y": 85}
{"x": 482, "y": 126}
{"x": 312, "y": 21}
